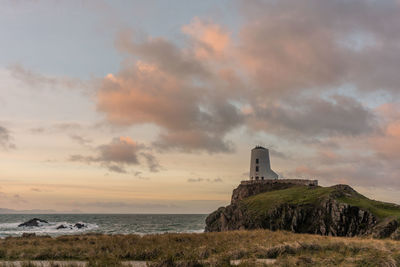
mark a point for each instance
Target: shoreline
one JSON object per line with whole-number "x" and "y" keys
{"x": 62, "y": 224}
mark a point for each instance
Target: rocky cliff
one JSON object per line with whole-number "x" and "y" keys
{"x": 336, "y": 211}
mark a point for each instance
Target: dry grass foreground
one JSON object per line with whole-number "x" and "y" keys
{"x": 205, "y": 249}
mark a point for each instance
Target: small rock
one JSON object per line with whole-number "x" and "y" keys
{"x": 62, "y": 226}
{"x": 35, "y": 222}
{"x": 79, "y": 225}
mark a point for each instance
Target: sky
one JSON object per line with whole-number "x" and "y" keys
{"x": 154, "y": 106}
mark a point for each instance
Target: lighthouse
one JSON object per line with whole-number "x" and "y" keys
{"x": 260, "y": 165}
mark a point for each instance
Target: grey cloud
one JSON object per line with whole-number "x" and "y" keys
{"x": 199, "y": 180}
{"x": 80, "y": 139}
{"x": 6, "y": 139}
{"x": 62, "y": 126}
{"x": 278, "y": 154}
{"x": 116, "y": 168}
{"x": 316, "y": 117}
{"x": 34, "y": 79}
{"x": 152, "y": 162}
{"x": 67, "y": 126}
{"x": 119, "y": 154}
{"x": 119, "y": 151}
{"x": 191, "y": 141}
{"x": 314, "y": 45}
{"x": 167, "y": 55}
{"x": 37, "y": 130}
{"x": 81, "y": 158}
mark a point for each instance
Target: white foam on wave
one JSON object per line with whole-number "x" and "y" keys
{"x": 12, "y": 229}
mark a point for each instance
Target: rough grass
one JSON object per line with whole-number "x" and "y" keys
{"x": 379, "y": 209}
{"x": 206, "y": 249}
{"x": 298, "y": 195}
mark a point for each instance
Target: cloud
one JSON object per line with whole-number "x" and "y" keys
{"x": 38, "y": 80}
{"x": 281, "y": 74}
{"x": 313, "y": 45}
{"x": 368, "y": 160}
{"x": 116, "y": 168}
{"x": 6, "y": 139}
{"x": 11, "y": 198}
{"x": 37, "y": 130}
{"x": 118, "y": 154}
{"x": 315, "y": 117}
{"x": 80, "y": 139}
{"x": 190, "y": 116}
{"x": 304, "y": 73}
{"x": 210, "y": 40}
{"x": 125, "y": 206}
{"x": 199, "y": 180}
{"x": 63, "y": 126}
{"x": 36, "y": 189}
{"x": 163, "y": 54}
{"x": 152, "y": 162}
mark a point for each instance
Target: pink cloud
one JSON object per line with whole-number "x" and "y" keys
{"x": 210, "y": 40}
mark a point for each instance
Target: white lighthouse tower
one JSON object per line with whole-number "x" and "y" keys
{"x": 260, "y": 166}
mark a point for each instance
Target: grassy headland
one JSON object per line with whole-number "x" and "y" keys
{"x": 206, "y": 249}
{"x": 302, "y": 195}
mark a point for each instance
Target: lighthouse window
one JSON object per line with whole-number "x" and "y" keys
{"x": 257, "y": 161}
{"x": 256, "y": 168}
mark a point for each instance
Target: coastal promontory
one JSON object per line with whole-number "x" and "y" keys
{"x": 301, "y": 206}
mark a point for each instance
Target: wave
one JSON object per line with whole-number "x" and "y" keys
{"x": 12, "y": 229}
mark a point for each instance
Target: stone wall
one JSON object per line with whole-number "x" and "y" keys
{"x": 282, "y": 181}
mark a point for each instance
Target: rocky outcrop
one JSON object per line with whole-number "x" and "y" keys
{"x": 79, "y": 225}
{"x": 76, "y": 225}
{"x": 327, "y": 216}
{"x": 35, "y": 222}
{"x": 386, "y": 228}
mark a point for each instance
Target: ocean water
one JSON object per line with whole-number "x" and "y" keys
{"x": 103, "y": 223}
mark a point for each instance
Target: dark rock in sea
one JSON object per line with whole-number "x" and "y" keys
{"x": 35, "y": 222}
{"x": 27, "y": 235}
{"x": 335, "y": 211}
{"x": 79, "y": 225}
{"x": 62, "y": 226}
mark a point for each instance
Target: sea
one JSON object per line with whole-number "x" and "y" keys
{"x": 141, "y": 224}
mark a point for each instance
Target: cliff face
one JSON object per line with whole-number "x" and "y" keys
{"x": 304, "y": 209}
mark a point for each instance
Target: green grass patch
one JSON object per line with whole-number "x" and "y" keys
{"x": 380, "y": 209}
{"x": 299, "y": 195}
